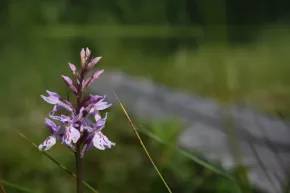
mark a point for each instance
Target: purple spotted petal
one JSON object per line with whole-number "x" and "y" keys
{"x": 48, "y": 143}
{"x": 101, "y": 142}
{"x": 71, "y": 135}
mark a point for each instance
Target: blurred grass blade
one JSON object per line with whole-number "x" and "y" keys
{"x": 56, "y": 162}
{"x": 15, "y": 186}
{"x": 185, "y": 153}
{"x": 145, "y": 149}
{"x": 2, "y": 188}
{"x": 189, "y": 155}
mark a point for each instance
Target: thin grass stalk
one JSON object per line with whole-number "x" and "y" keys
{"x": 142, "y": 144}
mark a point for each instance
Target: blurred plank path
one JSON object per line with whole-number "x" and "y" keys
{"x": 264, "y": 141}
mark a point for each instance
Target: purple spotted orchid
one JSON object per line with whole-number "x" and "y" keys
{"x": 78, "y": 126}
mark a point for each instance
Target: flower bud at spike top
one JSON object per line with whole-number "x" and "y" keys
{"x": 88, "y": 53}
{"x": 72, "y": 68}
{"x": 83, "y": 58}
{"x": 93, "y": 62}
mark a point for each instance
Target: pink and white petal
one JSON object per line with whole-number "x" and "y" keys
{"x": 107, "y": 142}
{"x": 98, "y": 142}
{"x": 101, "y": 141}
{"x": 75, "y": 134}
{"x": 71, "y": 135}
{"x": 48, "y": 143}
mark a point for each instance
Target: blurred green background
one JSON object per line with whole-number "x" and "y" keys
{"x": 234, "y": 51}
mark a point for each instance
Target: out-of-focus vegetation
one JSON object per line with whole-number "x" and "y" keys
{"x": 232, "y": 51}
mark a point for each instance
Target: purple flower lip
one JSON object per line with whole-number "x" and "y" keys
{"x": 81, "y": 123}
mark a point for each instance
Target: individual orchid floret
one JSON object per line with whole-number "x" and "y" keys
{"x": 102, "y": 142}
{"x": 48, "y": 143}
{"x": 71, "y": 134}
{"x": 59, "y": 104}
{"x": 97, "y": 138}
{"x": 55, "y": 99}
{"x": 56, "y": 132}
{"x": 91, "y": 126}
